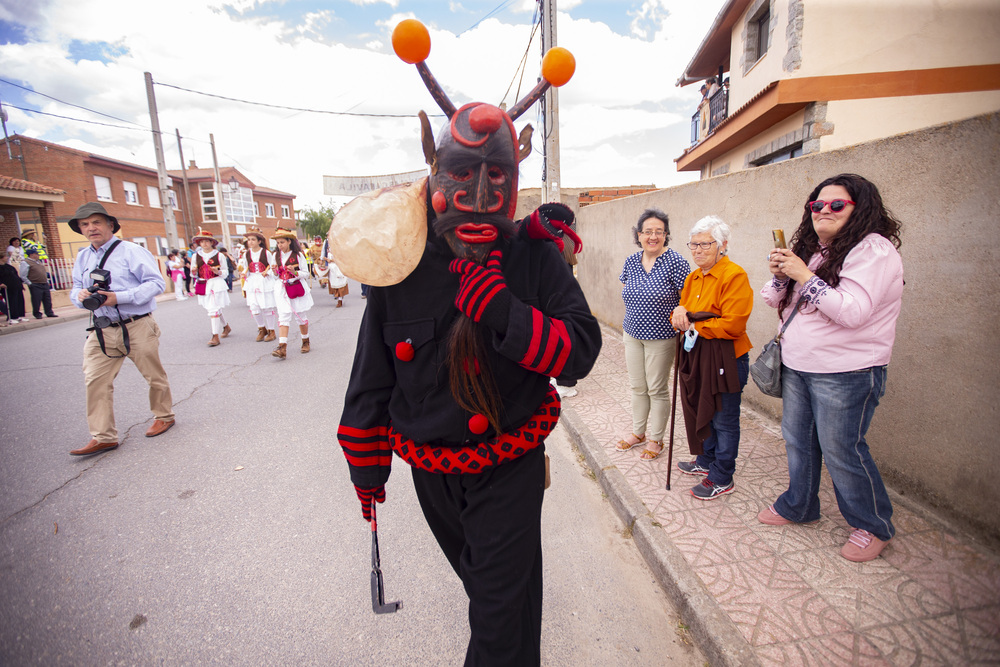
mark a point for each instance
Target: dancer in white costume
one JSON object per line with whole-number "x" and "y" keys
{"x": 292, "y": 272}
{"x": 210, "y": 268}
{"x": 257, "y": 274}
{"x": 176, "y": 266}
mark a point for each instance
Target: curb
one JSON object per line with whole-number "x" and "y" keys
{"x": 712, "y": 629}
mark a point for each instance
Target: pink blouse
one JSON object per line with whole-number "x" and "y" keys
{"x": 851, "y": 326}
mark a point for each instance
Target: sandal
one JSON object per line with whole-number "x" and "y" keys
{"x": 648, "y": 454}
{"x": 624, "y": 445}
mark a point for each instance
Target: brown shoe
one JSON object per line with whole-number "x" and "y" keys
{"x": 214, "y": 341}
{"x": 94, "y": 447}
{"x": 261, "y": 332}
{"x": 340, "y": 303}
{"x": 270, "y": 336}
{"x": 158, "y": 427}
{"x": 279, "y": 351}
{"x": 226, "y": 331}
{"x": 305, "y": 345}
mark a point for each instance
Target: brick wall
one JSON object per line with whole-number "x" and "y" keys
{"x": 588, "y": 197}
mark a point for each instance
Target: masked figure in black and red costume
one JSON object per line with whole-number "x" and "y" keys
{"x": 453, "y": 368}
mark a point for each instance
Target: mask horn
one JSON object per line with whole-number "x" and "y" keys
{"x": 518, "y": 109}
{"x": 436, "y": 91}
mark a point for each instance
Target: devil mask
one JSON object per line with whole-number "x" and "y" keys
{"x": 473, "y": 184}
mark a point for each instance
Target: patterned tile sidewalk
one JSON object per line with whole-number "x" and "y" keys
{"x": 933, "y": 598}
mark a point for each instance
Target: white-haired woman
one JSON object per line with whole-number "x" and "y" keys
{"x": 715, "y": 303}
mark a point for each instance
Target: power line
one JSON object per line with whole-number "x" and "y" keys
{"x": 287, "y": 108}
{"x": 496, "y": 9}
{"x": 79, "y": 120}
{"x": 11, "y": 83}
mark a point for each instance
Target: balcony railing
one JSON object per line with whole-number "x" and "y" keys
{"x": 710, "y": 114}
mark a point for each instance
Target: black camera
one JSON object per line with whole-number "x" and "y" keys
{"x": 102, "y": 282}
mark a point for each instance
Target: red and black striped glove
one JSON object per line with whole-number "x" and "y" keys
{"x": 366, "y": 496}
{"x": 482, "y": 291}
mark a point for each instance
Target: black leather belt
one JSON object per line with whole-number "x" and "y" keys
{"x": 129, "y": 320}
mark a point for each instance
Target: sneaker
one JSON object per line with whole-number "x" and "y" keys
{"x": 862, "y": 546}
{"x": 709, "y": 491}
{"x": 566, "y": 392}
{"x": 692, "y": 468}
{"x": 770, "y": 517}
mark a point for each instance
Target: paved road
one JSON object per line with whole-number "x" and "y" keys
{"x": 236, "y": 538}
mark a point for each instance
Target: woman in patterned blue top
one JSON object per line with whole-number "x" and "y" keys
{"x": 653, "y": 278}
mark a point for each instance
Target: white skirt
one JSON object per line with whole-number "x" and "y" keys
{"x": 216, "y": 296}
{"x": 260, "y": 292}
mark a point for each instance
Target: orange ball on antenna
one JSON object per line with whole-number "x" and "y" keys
{"x": 411, "y": 41}
{"x": 558, "y": 66}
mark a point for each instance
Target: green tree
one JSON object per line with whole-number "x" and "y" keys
{"x": 316, "y": 222}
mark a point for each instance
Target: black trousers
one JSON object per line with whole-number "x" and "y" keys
{"x": 489, "y": 527}
{"x": 41, "y": 297}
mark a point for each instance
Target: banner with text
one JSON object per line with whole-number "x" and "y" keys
{"x": 358, "y": 185}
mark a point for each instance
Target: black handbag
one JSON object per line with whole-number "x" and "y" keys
{"x": 766, "y": 370}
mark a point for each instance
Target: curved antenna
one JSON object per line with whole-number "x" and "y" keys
{"x": 525, "y": 103}
{"x": 436, "y": 91}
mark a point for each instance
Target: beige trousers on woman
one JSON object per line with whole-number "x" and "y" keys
{"x": 649, "y": 363}
{"x": 100, "y": 371}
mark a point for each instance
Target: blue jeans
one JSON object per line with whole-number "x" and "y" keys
{"x": 723, "y": 446}
{"x": 826, "y": 416}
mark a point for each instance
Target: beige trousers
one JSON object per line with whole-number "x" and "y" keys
{"x": 100, "y": 371}
{"x": 649, "y": 363}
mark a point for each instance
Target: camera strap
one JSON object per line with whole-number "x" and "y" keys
{"x": 97, "y": 330}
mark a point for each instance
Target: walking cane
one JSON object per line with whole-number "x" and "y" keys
{"x": 378, "y": 592}
{"x": 673, "y": 411}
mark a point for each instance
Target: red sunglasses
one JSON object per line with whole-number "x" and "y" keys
{"x": 836, "y": 205}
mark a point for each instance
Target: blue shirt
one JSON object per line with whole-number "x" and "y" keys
{"x": 135, "y": 278}
{"x": 651, "y": 297}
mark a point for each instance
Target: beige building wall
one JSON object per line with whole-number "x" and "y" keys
{"x": 855, "y": 121}
{"x": 737, "y": 158}
{"x": 936, "y": 434}
{"x": 856, "y": 36}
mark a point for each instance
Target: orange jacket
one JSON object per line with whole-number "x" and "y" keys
{"x": 724, "y": 290}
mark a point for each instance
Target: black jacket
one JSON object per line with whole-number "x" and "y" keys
{"x": 548, "y": 306}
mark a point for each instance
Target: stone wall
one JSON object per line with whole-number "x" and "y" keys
{"x": 936, "y": 433}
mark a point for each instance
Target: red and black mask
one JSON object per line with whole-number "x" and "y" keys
{"x": 473, "y": 189}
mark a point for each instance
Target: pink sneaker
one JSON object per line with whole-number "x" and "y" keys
{"x": 862, "y": 546}
{"x": 770, "y": 517}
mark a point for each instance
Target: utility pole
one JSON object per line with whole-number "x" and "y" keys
{"x": 550, "y": 111}
{"x": 220, "y": 201}
{"x": 189, "y": 216}
{"x": 161, "y": 167}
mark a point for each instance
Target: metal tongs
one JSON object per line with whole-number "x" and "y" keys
{"x": 379, "y": 605}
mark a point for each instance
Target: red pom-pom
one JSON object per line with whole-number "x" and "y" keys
{"x": 404, "y": 351}
{"x": 478, "y": 424}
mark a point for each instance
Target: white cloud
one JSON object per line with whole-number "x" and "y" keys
{"x": 623, "y": 89}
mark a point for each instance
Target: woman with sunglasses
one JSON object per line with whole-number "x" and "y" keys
{"x": 715, "y": 305}
{"x": 845, "y": 276}
{"x": 652, "y": 281}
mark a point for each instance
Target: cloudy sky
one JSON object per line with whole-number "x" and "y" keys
{"x": 622, "y": 119}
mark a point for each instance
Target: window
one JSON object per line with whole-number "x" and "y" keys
{"x": 209, "y": 211}
{"x": 763, "y": 34}
{"x": 161, "y": 246}
{"x": 269, "y": 210}
{"x": 102, "y": 186}
{"x": 131, "y": 193}
{"x": 173, "y": 200}
{"x": 239, "y": 205}
{"x": 153, "y": 195}
{"x": 756, "y": 33}
{"x": 256, "y": 210}
{"x": 787, "y": 154}
{"x": 284, "y": 211}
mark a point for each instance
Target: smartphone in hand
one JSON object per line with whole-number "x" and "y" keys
{"x": 779, "y": 238}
